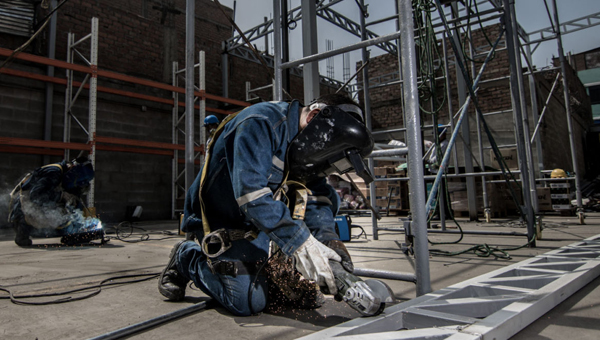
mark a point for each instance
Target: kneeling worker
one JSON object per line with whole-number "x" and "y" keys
{"x": 264, "y": 181}
{"x": 47, "y": 203}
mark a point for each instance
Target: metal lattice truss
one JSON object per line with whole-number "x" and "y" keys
{"x": 247, "y": 54}
{"x": 536, "y": 37}
{"x": 495, "y": 305}
{"x": 324, "y": 11}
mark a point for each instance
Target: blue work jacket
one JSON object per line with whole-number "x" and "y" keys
{"x": 245, "y": 169}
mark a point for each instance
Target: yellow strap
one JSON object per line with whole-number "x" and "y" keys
{"x": 207, "y": 151}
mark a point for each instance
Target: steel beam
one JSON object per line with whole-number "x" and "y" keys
{"x": 496, "y": 305}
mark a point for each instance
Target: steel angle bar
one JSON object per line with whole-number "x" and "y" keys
{"x": 495, "y": 305}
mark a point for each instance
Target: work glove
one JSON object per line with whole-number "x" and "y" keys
{"x": 312, "y": 261}
{"x": 339, "y": 247}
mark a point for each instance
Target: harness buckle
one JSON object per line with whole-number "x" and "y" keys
{"x": 221, "y": 237}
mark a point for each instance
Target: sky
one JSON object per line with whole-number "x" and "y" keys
{"x": 531, "y": 15}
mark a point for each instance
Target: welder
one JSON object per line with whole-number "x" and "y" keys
{"x": 261, "y": 194}
{"x": 48, "y": 202}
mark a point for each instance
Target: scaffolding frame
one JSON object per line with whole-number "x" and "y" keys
{"x": 505, "y": 11}
{"x": 97, "y": 142}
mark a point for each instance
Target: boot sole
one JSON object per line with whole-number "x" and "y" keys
{"x": 163, "y": 291}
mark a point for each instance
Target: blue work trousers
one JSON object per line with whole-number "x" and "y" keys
{"x": 242, "y": 295}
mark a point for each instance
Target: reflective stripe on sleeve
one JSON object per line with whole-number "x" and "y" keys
{"x": 247, "y": 198}
{"x": 278, "y": 162}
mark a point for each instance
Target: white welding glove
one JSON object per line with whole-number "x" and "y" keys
{"x": 312, "y": 261}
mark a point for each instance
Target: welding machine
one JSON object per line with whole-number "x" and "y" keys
{"x": 342, "y": 227}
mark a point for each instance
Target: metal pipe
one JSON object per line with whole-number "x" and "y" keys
{"x": 50, "y": 73}
{"x": 561, "y": 56}
{"x": 467, "y": 232}
{"x": 464, "y": 109}
{"x": 385, "y": 274}
{"x": 524, "y": 116}
{"x": 449, "y": 96}
{"x": 330, "y": 53}
{"x": 389, "y": 152}
{"x": 537, "y": 127}
{"x": 277, "y": 82}
{"x": 202, "y": 86}
{"x": 367, "y": 104}
{"x": 518, "y": 118}
{"x": 468, "y": 174}
{"x": 189, "y": 92}
{"x": 415, "y": 145}
{"x": 92, "y": 104}
{"x": 138, "y": 327}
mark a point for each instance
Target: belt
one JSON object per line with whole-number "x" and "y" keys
{"x": 224, "y": 237}
{"x": 233, "y": 268}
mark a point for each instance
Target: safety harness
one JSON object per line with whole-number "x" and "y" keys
{"x": 25, "y": 200}
{"x": 223, "y": 238}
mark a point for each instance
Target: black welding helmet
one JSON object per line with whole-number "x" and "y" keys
{"x": 79, "y": 175}
{"x": 335, "y": 140}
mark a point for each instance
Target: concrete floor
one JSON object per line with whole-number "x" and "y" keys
{"x": 48, "y": 267}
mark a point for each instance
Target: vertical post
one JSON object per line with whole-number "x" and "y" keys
{"x": 466, "y": 128}
{"x": 563, "y": 69}
{"x": 68, "y": 95}
{"x": 175, "y": 139}
{"x": 277, "y": 82}
{"x": 449, "y": 95}
{"x": 93, "y": 104}
{"x": 415, "y": 147}
{"x": 50, "y": 73}
{"x": 486, "y": 204}
{"x": 534, "y": 108}
{"x": 310, "y": 46}
{"x": 522, "y": 101}
{"x": 285, "y": 45}
{"x": 516, "y": 105}
{"x": 225, "y": 71}
{"x": 202, "y": 84}
{"x": 367, "y": 105}
{"x": 189, "y": 92}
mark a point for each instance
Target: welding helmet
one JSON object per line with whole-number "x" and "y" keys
{"x": 79, "y": 175}
{"x": 335, "y": 140}
{"x": 558, "y": 173}
{"x": 209, "y": 120}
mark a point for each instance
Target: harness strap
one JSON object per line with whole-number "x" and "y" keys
{"x": 207, "y": 152}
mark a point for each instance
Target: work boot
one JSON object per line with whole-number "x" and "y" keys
{"x": 171, "y": 283}
{"x": 288, "y": 287}
{"x": 22, "y": 234}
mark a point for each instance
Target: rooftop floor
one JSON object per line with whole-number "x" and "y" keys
{"x": 49, "y": 267}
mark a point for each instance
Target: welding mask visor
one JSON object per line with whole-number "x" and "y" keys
{"x": 333, "y": 141}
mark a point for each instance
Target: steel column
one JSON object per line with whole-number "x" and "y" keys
{"x": 189, "y": 92}
{"x": 310, "y": 46}
{"x": 93, "y": 105}
{"x": 50, "y": 73}
{"x": 516, "y": 104}
{"x": 561, "y": 56}
{"x": 415, "y": 145}
{"x": 202, "y": 86}
{"x": 526, "y": 134}
{"x": 277, "y": 82}
{"x": 461, "y": 84}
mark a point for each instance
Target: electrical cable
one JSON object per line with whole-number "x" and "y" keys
{"x": 18, "y": 299}
{"x": 125, "y": 229}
